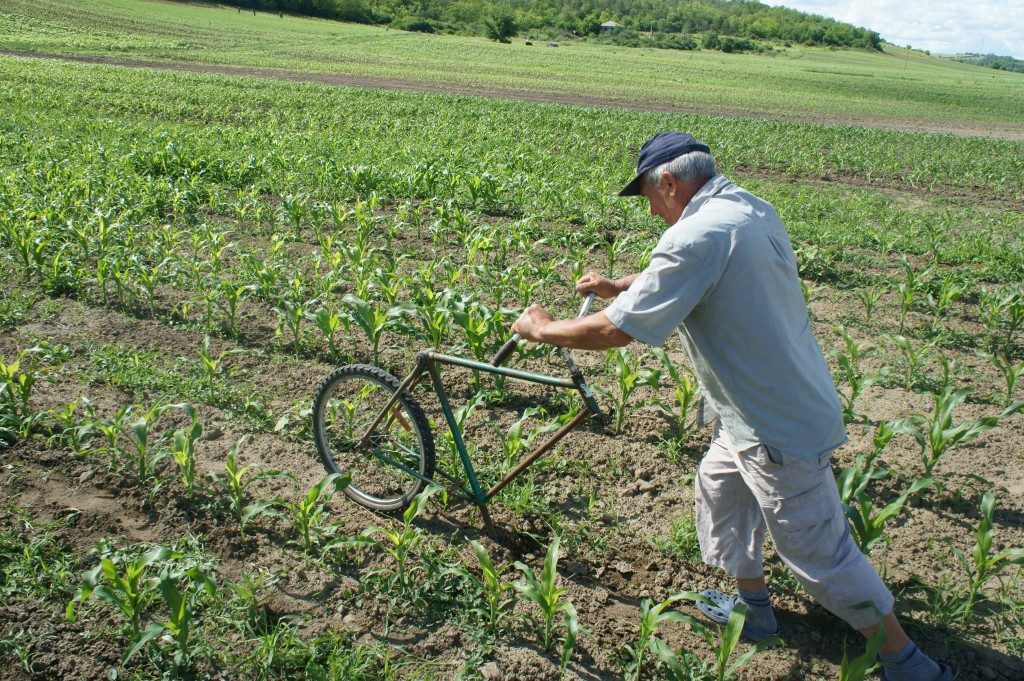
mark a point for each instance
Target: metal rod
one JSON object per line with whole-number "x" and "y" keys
{"x": 540, "y": 451}
{"x": 511, "y": 373}
{"x": 364, "y": 440}
{"x": 453, "y": 426}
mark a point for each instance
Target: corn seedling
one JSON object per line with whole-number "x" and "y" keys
{"x": 328, "y": 321}
{"x": 982, "y": 566}
{"x": 647, "y": 644}
{"x": 491, "y": 586}
{"x": 851, "y": 374}
{"x": 292, "y": 308}
{"x": 16, "y": 382}
{"x": 374, "y": 320}
{"x": 1011, "y": 372}
{"x": 858, "y": 668}
{"x": 628, "y": 378}
{"x": 183, "y": 450}
{"x": 229, "y": 296}
{"x": 545, "y": 593}
{"x": 936, "y": 434}
{"x": 913, "y": 358}
{"x": 869, "y": 298}
{"x": 125, "y": 584}
{"x": 211, "y": 365}
{"x": 399, "y": 544}
{"x": 234, "y": 484}
{"x": 144, "y": 453}
{"x": 308, "y": 516}
{"x": 686, "y": 393}
{"x": 869, "y": 526}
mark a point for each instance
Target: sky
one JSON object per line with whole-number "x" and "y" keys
{"x": 986, "y": 26}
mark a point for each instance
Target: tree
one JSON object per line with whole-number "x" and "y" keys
{"x": 501, "y": 27}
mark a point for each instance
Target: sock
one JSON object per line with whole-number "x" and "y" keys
{"x": 910, "y": 664}
{"x": 759, "y": 611}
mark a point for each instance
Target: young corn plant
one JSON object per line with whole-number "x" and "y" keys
{"x": 128, "y": 585}
{"x": 75, "y": 433}
{"x": 399, "y": 544}
{"x": 869, "y": 298}
{"x": 647, "y": 644}
{"x": 936, "y": 434}
{"x": 858, "y": 668}
{"x": 16, "y": 382}
{"x": 686, "y": 393}
{"x": 308, "y": 516}
{"x": 1011, "y": 372}
{"x": 684, "y": 665}
{"x": 982, "y": 566}
{"x": 492, "y": 587}
{"x": 234, "y": 484}
{"x": 212, "y": 365}
{"x": 292, "y": 309}
{"x": 329, "y": 321}
{"x": 146, "y": 450}
{"x": 516, "y": 441}
{"x": 374, "y": 320}
{"x": 628, "y": 378}
{"x": 183, "y": 450}
{"x": 913, "y": 358}
{"x": 177, "y": 587}
{"x": 546, "y": 594}
{"x": 867, "y": 525}
{"x": 850, "y": 373}
{"x": 229, "y": 298}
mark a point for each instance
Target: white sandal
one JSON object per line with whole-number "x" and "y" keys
{"x": 721, "y": 607}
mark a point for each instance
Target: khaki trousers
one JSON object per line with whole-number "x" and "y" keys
{"x": 739, "y": 495}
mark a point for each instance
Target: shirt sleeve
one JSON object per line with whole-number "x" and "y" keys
{"x": 675, "y": 282}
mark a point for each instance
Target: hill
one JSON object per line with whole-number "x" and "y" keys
{"x": 749, "y": 21}
{"x": 992, "y": 61}
{"x": 894, "y": 88}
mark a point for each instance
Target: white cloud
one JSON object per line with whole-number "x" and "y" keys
{"x": 937, "y": 25}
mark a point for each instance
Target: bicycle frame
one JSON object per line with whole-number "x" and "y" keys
{"x": 428, "y": 363}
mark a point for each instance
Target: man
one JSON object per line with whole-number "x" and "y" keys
{"x": 724, "y": 274}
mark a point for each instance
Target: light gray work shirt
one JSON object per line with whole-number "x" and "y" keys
{"x": 726, "y": 276}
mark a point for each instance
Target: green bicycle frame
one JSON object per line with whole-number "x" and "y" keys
{"x": 429, "y": 361}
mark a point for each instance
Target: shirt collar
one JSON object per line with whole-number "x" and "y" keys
{"x": 710, "y": 188}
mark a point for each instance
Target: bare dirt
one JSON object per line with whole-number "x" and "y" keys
{"x": 963, "y": 128}
{"x": 607, "y": 571}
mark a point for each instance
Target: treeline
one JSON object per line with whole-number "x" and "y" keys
{"x": 992, "y": 61}
{"x": 743, "y": 20}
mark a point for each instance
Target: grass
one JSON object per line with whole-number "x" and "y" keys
{"x": 852, "y": 85}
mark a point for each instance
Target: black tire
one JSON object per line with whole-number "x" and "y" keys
{"x": 345, "y": 404}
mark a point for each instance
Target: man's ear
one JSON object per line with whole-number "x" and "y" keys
{"x": 669, "y": 184}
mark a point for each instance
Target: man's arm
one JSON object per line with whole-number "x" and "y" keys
{"x": 594, "y": 332}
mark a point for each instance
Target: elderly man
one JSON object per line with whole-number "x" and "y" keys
{"x": 724, "y": 274}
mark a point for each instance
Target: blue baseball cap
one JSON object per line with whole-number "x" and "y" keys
{"x": 660, "y": 149}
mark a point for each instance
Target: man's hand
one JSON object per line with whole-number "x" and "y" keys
{"x": 530, "y": 323}
{"x": 603, "y": 287}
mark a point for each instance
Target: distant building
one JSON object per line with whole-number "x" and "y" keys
{"x": 610, "y": 26}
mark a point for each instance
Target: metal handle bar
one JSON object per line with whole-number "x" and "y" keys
{"x": 510, "y": 345}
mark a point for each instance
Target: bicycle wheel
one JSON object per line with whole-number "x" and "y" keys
{"x": 346, "y": 404}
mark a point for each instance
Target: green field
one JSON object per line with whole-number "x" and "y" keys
{"x": 871, "y": 88}
{"x": 186, "y": 256}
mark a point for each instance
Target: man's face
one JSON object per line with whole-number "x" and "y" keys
{"x": 666, "y": 199}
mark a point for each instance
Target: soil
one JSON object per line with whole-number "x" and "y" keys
{"x": 607, "y": 574}
{"x": 965, "y": 128}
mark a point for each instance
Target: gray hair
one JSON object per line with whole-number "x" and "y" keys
{"x": 696, "y": 165}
